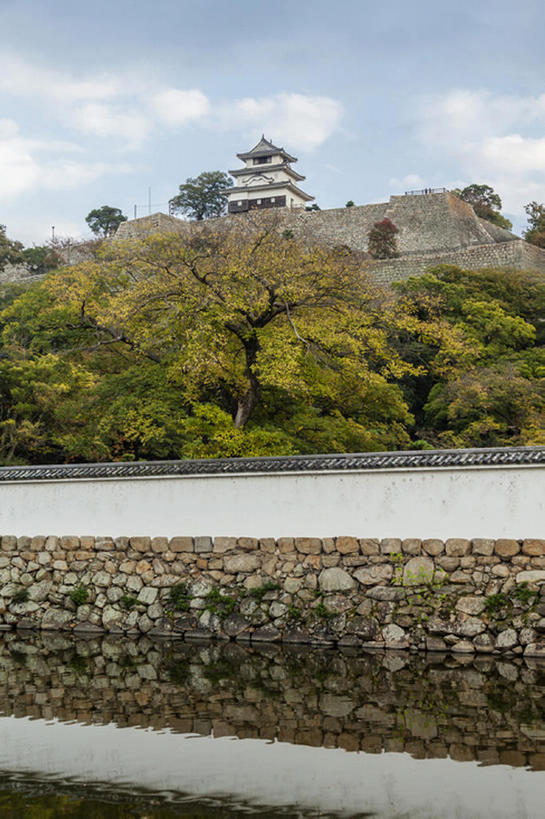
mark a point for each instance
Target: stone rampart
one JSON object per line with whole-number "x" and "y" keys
{"x": 512, "y": 255}
{"x": 462, "y": 595}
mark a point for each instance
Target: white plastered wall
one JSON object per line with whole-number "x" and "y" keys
{"x": 490, "y": 502}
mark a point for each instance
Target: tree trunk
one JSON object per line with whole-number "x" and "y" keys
{"x": 249, "y": 401}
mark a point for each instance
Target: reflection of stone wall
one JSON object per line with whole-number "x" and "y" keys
{"x": 479, "y": 595}
{"x": 465, "y": 708}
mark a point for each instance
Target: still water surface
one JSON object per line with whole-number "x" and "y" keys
{"x": 142, "y": 728}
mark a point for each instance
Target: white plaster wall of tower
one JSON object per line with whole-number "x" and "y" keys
{"x": 480, "y": 500}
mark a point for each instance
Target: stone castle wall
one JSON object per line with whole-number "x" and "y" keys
{"x": 462, "y": 595}
{"x": 513, "y": 255}
{"x": 433, "y": 229}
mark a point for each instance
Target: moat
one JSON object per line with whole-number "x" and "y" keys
{"x": 112, "y": 727}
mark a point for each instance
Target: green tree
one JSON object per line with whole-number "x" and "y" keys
{"x": 11, "y": 252}
{"x": 240, "y": 315}
{"x": 382, "y": 242}
{"x": 350, "y": 203}
{"x": 203, "y": 197}
{"x": 486, "y": 203}
{"x": 535, "y": 232}
{"x": 104, "y": 221}
{"x": 41, "y": 258}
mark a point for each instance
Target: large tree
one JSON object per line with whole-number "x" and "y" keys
{"x": 203, "y": 197}
{"x": 486, "y": 203}
{"x": 236, "y": 312}
{"x": 104, "y": 221}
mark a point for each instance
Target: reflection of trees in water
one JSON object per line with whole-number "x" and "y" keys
{"x": 467, "y": 707}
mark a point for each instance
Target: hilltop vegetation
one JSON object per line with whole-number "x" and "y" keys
{"x": 247, "y": 343}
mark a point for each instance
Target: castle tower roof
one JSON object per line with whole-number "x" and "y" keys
{"x": 263, "y": 148}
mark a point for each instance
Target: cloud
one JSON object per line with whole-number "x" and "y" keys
{"x": 410, "y": 181}
{"x": 27, "y": 164}
{"x": 176, "y": 107}
{"x": 24, "y": 78}
{"x": 302, "y": 121}
{"x": 127, "y": 108}
{"x": 104, "y": 120}
{"x": 488, "y": 138}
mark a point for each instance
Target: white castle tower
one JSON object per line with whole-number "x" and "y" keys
{"x": 266, "y": 181}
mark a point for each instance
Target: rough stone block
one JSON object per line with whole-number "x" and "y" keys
{"x": 203, "y": 544}
{"x": 87, "y": 542}
{"x": 535, "y": 576}
{"x": 507, "y": 548}
{"x": 411, "y": 546}
{"x": 224, "y": 544}
{"x": 534, "y": 548}
{"x": 308, "y": 545}
{"x": 24, "y": 542}
{"x": 449, "y": 564}
{"x": 369, "y": 546}
{"x": 335, "y": 579}
{"x": 104, "y": 544}
{"x": 285, "y": 544}
{"x": 470, "y": 605}
{"x": 328, "y": 545}
{"x": 457, "y": 547}
{"x": 37, "y": 543}
{"x": 390, "y": 545}
{"x": 140, "y": 544}
{"x": 234, "y": 564}
{"x": 346, "y": 545}
{"x": 9, "y": 543}
{"x": 159, "y": 545}
{"x": 122, "y": 543}
{"x": 375, "y": 575}
{"x": 482, "y": 546}
{"x": 181, "y": 544}
{"x": 266, "y": 544}
{"x": 248, "y": 544}
{"x": 418, "y": 571}
{"x": 70, "y": 542}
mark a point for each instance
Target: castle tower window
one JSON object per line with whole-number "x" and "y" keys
{"x": 267, "y": 170}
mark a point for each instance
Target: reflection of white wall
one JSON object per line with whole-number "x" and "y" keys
{"x": 273, "y": 774}
{"x": 481, "y": 502}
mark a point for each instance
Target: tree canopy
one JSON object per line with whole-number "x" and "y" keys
{"x": 382, "y": 242}
{"x": 105, "y": 220}
{"x": 486, "y": 203}
{"x": 238, "y": 339}
{"x": 203, "y": 197}
{"x": 535, "y": 232}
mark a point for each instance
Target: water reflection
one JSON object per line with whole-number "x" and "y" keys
{"x": 297, "y": 711}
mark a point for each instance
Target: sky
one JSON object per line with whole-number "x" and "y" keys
{"x": 101, "y": 102}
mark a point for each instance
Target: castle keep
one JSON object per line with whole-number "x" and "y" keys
{"x": 266, "y": 181}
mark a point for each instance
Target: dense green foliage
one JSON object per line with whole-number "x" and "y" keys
{"x": 105, "y": 220}
{"x": 248, "y": 344}
{"x": 486, "y": 203}
{"x": 203, "y": 197}
{"x": 535, "y": 233}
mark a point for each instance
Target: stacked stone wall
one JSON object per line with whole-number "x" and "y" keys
{"x": 485, "y": 596}
{"x": 514, "y": 255}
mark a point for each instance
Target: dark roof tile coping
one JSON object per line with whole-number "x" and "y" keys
{"x": 351, "y": 462}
